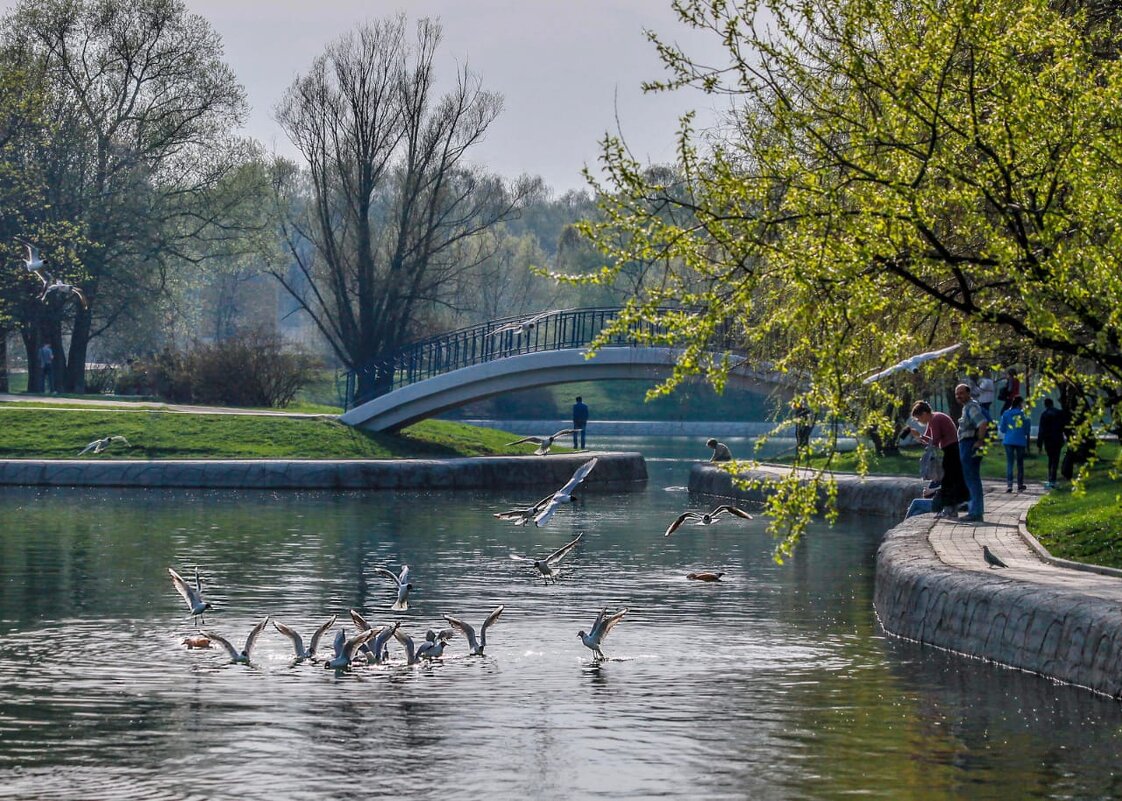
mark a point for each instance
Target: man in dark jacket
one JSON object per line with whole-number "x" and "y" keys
{"x": 1050, "y": 437}
{"x": 580, "y": 421}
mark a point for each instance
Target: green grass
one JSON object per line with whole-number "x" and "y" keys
{"x": 1085, "y": 527}
{"x": 53, "y": 433}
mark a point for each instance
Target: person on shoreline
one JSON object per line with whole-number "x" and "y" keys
{"x": 580, "y": 421}
{"x": 46, "y": 364}
{"x": 721, "y": 452}
{"x": 1050, "y": 436}
{"x": 1014, "y": 428}
{"x": 972, "y": 428}
{"x": 940, "y": 431}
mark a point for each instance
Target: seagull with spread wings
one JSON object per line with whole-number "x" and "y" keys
{"x": 548, "y": 566}
{"x": 33, "y": 261}
{"x": 544, "y": 443}
{"x": 706, "y": 518}
{"x": 192, "y": 596}
{"x": 242, "y": 656}
{"x": 911, "y": 363}
{"x": 67, "y": 291}
{"x": 522, "y": 327}
{"x": 403, "y": 586}
{"x": 376, "y": 651}
{"x": 345, "y": 648}
{"x": 604, "y": 623}
{"x": 542, "y": 511}
{"x": 476, "y": 644}
{"x": 99, "y": 445}
{"x": 303, "y": 653}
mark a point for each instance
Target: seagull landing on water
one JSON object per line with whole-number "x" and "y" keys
{"x": 476, "y": 645}
{"x": 33, "y": 262}
{"x": 298, "y": 642}
{"x": 604, "y": 623}
{"x": 375, "y": 650}
{"x": 193, "y": 596}
{"x": 547, "y": 566}
{"x": 428, "y": 650}
{"x": 99, "y": 445}
{"x": 543, "y": 510}
{"x": 912, "y": 363}
{"x": 991, "y": 559}
{"x": 242, "y": 656}
{"x": 706, "y": 518}
{"x": 544, "y": 443}
{"x": 403, "y": 587}
{"x": 345, "y": 649}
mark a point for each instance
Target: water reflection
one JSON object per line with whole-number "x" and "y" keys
{"x": 775, "y": 683}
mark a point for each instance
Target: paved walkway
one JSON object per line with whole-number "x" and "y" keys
{"x": 959, "y": 545}
{"x": 78, "y": 404}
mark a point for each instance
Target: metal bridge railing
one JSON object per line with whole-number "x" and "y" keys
{"x": 485, "y": 342}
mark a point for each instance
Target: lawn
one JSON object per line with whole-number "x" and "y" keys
{"x": 60, "y": 433}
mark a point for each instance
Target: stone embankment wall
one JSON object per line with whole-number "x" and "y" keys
{"x": 612, "y": 470}
{"x": 876, "y": 495}
{"x": 1062, "y": 634}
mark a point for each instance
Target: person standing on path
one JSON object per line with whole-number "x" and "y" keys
{"x": 46, "y": 365}
{"x": 972, "y": 427}
{"x": 940, "y": 430}
{"x": 580, "y": 421}
{"x": 1014, "y": 428}
{"x": 1050, "y": 438}
{"x": 981, "y": 389}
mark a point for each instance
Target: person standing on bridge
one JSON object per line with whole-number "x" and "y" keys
{"x": 580, "y": 421}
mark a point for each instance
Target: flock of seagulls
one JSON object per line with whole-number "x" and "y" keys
{"x": 373, "y": 641}
{"x": 52, "y": 287}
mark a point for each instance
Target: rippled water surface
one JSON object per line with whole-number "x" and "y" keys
{"x": 776, "y": 683}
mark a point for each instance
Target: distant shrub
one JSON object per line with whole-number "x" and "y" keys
{"x": 101, "y": 380}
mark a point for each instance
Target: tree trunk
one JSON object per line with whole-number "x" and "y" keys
{"x": 75, "y": 380}
{"x": 3, "y": 360}
{"x": 31, "y": 343}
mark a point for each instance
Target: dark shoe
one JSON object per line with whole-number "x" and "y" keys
{"x": 1022, "y": 488}
{"x": 1009, "y": 488}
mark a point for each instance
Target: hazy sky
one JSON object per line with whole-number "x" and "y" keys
{"x": 564, "y": 67}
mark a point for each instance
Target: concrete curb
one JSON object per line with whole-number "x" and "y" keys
{"x": 1042, "y": 552}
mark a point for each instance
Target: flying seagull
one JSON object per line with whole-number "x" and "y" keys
{"x": 912, "y": 363}
{"x": 99, "y": 445}
{"x": 706, "y": 518}
{"x": 33, "y": 261}
{"x": 522, "y": 327}
{"x": 64, "y": 289}
{"x": 403, "y": 587}
{"x": 604, "y": 623}
{"x": 298, "y": 641}
{"x": 544, "y": 443}
{"x": 546, "y": 566}
{"x": 345, "y": 649}
{"x": 476, "y": 645}
{"x": 193, "y": 596}
{"x": 543, "y": 510}
{"x": 991, "y": 559}
{"x": 241, "y": 656}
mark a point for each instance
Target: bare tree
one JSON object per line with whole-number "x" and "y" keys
{"x": 387, "y": 203}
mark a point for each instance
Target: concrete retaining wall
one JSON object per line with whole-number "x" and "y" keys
{"x": 876, "y": 495}
{"x": 1068, "y": 636}
{"x": 613, "y": 470}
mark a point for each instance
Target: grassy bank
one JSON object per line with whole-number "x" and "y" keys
{"x": 59, "y": 433}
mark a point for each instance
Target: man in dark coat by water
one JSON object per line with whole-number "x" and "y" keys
{"x": 580, "y": 421}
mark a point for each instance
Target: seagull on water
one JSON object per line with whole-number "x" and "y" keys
{"x": 706, "y": 518}
{"x": 911, "y": 363}
{"x": 604, "y": 623}
{"x": 547, "y": 566}
{"x": 242, "y": 656}
{"x": 99, "y": 445}
{"x": 476, "y": 645}
{"x": 428, "y": 650}
{"x": 403, "y": 587}
{"x": 376, "y": 650}
{"x": 345, "y": 648}
{"x": 544, "y": 443}
{"x": 991, "y": 559}
{"x": 193, "y": 596}
{"x": 298, "y": 642}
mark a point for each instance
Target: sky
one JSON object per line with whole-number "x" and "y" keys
{"x": 567, "y": 69}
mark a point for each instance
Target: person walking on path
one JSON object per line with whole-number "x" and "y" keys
{"x": 721, "y": 452}
{"x": 1014, "y": 428}
{"x": 580, "y": 421}
{"x": 940, "y": 431}
{"x": 1050, "y": 437}
{"x": 981, "y": 389}
{"x": 46, "y": 365}
{"x": 972, "y": 428}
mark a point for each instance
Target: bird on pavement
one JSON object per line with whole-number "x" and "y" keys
{"x": 345, "y": 648}
{"x": 911, "y": 363}
{"x": 991, "y": 559}
{"x": 544, "y": 443}
{"x": 298, "y": 642}
{"x": 706, "y": 518}
{"x": 548, "y": 566}
{"x": 477, "y": 645}
{"x": 99, "y": 445}
{"x": 704, "y": 576}
{"x": 604, "y": 623}
{"x": 403, "y": 587}
{"x": 192, "y": 596}
{"x": 242, "y": 656}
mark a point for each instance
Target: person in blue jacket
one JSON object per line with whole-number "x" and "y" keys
{"x": 1014, "y": 428}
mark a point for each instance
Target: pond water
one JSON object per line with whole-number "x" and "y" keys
{"x": 776, "y": 683}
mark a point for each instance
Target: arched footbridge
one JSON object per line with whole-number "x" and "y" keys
{"x": 450, "y": 370}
